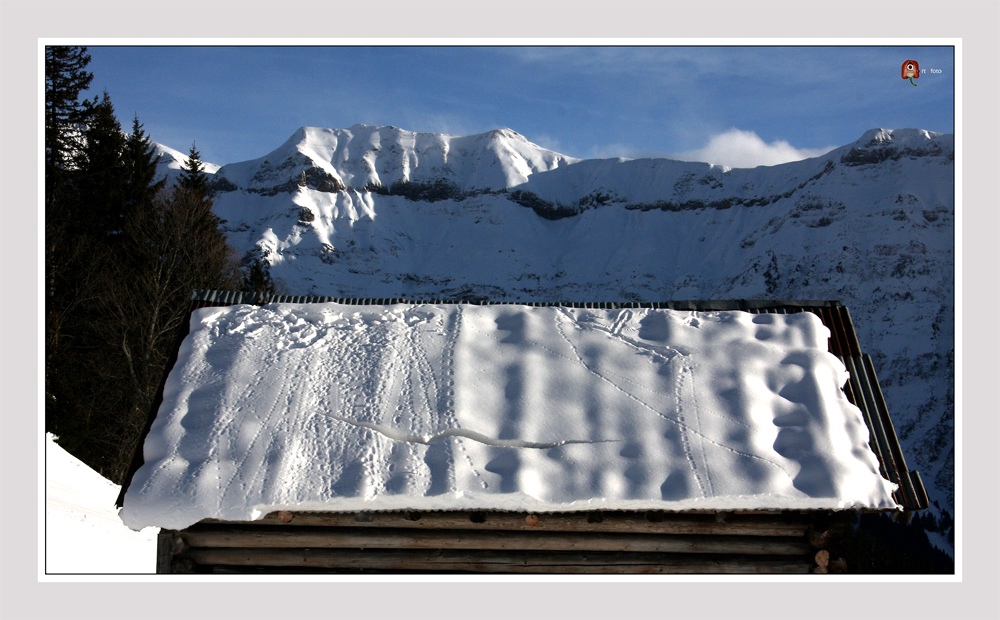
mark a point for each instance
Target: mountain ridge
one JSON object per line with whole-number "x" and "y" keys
{"x": 370, "y": 156}
{"x": 554, "y": 185}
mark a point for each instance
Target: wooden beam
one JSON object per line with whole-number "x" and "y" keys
{"x": 164, "y": 551}
{"x": 793, "y": 524}
{"x": 566, "y": 563}
{"x": 368, "y": 538}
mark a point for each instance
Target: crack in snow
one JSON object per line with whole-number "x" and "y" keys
{"x": 397, "y": 435}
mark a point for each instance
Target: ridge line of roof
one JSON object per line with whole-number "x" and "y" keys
{"x": 243, "y": 297}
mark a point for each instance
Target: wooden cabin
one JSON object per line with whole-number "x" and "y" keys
{"x": 596, "y": 541}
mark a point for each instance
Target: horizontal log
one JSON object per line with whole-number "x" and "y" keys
{"x": 447, "y": 561}
{"x": 367, "y": 538}
{"x": 743, "y": 524}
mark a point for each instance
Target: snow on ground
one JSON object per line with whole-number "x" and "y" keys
{"x": 83, "y": 533}
{"x": 337, "y": 407}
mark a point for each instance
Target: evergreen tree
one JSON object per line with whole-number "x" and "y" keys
{"x": 69, "y": 276}
{"x": 257, "y": 278}
{"x": 193, "y": 178}
{"x": 65, "y": 114}
{"x": 82, "y": 403}
{"x": 140, "y": 170}
{"x": 102, "y": 174}
{"x": 192, "y": 201}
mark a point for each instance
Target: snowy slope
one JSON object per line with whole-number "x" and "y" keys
{"x": 503, "y": 407}
{"x": 83, "y": 532}
{"x": 494, "y": 216}
{"x": 172, "y": 161}
{"x": 666, "y": 184}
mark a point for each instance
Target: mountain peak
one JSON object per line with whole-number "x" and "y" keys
{"x": 370, "y": 155}
{"x": 899, "y": 137}
{"x": 505, "y": 132}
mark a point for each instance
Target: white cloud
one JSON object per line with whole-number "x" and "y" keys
{"x": 745, "y": 149}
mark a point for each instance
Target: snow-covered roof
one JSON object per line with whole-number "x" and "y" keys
{"x": 328, "y": 406}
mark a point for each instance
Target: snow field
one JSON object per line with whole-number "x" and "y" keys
{"x": 83, "y": 533}
{"x": 428, "y": 407}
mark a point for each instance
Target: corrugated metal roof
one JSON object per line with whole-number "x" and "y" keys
{"x": 862, "y": 389}
{"x": 203, "y": 298}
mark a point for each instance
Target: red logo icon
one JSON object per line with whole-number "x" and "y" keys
{"x": 911, "y": 70}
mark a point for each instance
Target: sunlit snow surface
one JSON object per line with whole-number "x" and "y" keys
{"x": 83, "y": 533}
{"x": 336, "y": 407}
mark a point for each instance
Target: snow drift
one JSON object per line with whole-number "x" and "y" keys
{"x": 83, "y": 532}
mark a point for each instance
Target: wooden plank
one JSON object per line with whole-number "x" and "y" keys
{"x": 571, "y": 562}
{"x": 355, "y": 538}
{"x": 849, "y": 333}
{"x": 164, "y": 551}
{"x": 771, "y": 524}
{"x": 889, "y": 469}
{"x": 913, "y": 499}
{"x": 857, "y": 395}
{"x": 837, "y": 346}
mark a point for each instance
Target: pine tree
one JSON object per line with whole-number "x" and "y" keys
{"x": 258, "y": 277}
{"x": 66, "y": 116}
{"x": 65, "y": 113}
{"x": 68, "y": 273}
{"x": 193, "y": 178}
{"x": 83, "y": 404}
{"x": 140, "y": 170}
{"x": 192, "y": 200}
{"x": 102, "y": 174}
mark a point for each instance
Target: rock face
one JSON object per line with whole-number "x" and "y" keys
{"x": 403, "y": 214}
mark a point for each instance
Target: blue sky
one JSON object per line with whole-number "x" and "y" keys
{"x": 747, "y": 104}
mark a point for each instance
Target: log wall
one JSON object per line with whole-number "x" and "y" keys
{"x": 480, "y": 542}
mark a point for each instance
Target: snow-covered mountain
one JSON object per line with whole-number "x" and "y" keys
{"x": 383, "y": 212}
{"x": 172, "y": 161}
{"x": 367, "y": 157}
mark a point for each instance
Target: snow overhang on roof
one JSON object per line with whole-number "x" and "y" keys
{"x": 345, "y": 405}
